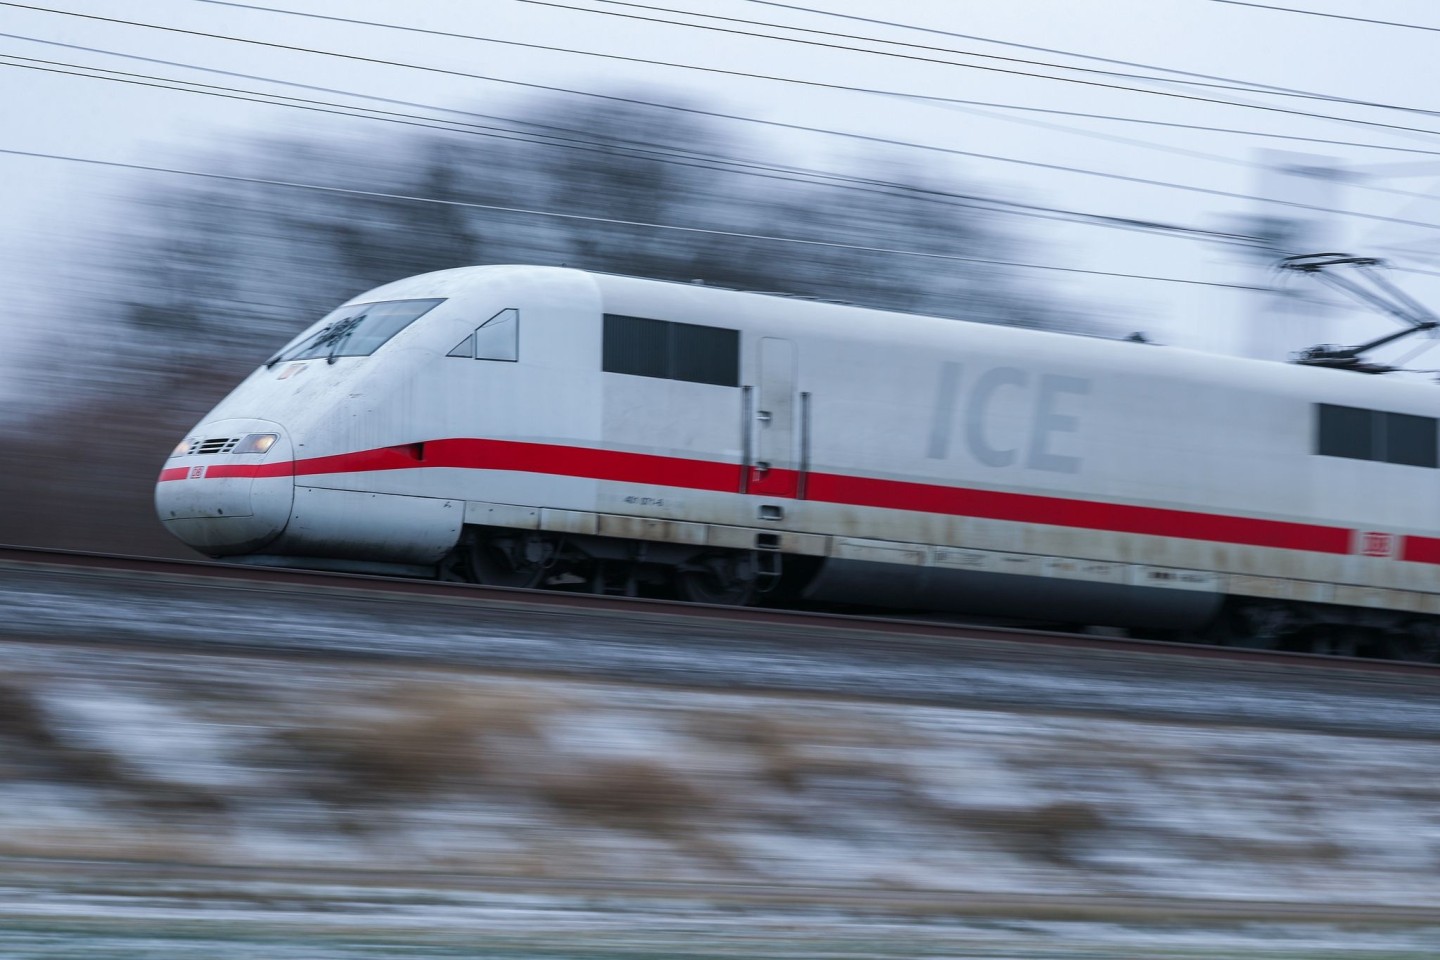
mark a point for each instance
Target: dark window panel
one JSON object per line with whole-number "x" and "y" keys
{"x": 1411, "y": 440}
{"x": 1346, "y": 432}
{"x": 673, "y": 351}
{"x": 705, "y": 354}
{"x": 636, "y": 346}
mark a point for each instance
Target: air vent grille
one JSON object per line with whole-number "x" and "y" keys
{"x": 214, "y": 445}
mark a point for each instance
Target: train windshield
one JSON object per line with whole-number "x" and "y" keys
{"x": 357, "y": 330}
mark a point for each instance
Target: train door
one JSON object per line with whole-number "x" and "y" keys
{"x": 776, "y": 467}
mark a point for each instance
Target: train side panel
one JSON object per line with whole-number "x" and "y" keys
{"x": 923, "y": 461}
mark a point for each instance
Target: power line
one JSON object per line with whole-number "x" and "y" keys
{"x": 1031, "y": 163}
{"x": 1332, "y": 16}
{"x": 1248, "y": 85}
{"x": 951, "y": 100}
{"x": 643, "y": 60}
{"x": 1224, "y": 83}
{"x": 653, "y": 152}
{"x": 1253, "y": 85}
{"x": 1242, "y": 86}
{"x": 1258, "y": 87}
{"x": 472, "y": 76}
{"x": 1229, "y": 84}
{"x": 1097, "y": 219}
{"x": 1054, "y": 167}
{"x": 738, "y": 73}
{"x": 1169, "y": 148}
{"x": 497, "y": 208}
{"x": 1197, "y": 127}
{"x": 718, "y": 164}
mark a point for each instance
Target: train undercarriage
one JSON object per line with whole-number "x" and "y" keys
{"x": 592, "y": 564}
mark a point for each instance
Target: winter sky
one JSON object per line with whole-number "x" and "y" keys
{"x": 48, "y": 202}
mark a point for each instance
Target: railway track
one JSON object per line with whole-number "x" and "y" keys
{"x": 192, "y": 606}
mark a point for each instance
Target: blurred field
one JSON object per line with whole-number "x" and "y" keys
{"x": 212, "y": 760}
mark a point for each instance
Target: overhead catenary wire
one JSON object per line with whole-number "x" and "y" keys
{"x": 1193, "y": 188}
{"x": 1219, "y": 82}
{"x": 1240, "y": 86}
{"x": 1033, "y": 209}
{"x": 912, "y": 27}
{"x": 1257, "y": 87}
{"x": 473, "y": 76}
{"x": 613, "y": 221}
{"x": 1127, "y": 223}
{"x": 1332, "y": 16}
{"x": 1224, "y": 83}
{"x": 650, "y": 152}
{"x": 935, "y": 31}
{"x": 1037, "y": 164}
{"x": 1166, "y": 148}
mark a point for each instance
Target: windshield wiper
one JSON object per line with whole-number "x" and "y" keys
{"x": 338, "y": 334}
{"x": 332, "y": 335}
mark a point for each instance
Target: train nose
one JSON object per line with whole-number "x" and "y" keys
{"x": 229, "y": 486}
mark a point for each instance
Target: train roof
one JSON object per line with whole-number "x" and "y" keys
{"x": 717, "y": 305}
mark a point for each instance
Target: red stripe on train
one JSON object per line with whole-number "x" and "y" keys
{"x": 625, "y": 467}
{"x": 1420, "y": 549}
{"x": 1084, "y": 514}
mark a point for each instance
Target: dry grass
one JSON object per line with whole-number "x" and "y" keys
{"x": 21, "y": 718}
{"x": 795, "y": 754}
{"x": 33, "y": 750}
{"x": 418, "y": 739}
{"x": 629, "y": 792}
{"x": 1056, "y": 832}
{"x": 531, "y": 780}
{"x": 36, "y": 751}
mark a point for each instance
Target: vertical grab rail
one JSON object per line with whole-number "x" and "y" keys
{"x": 747, "y": 436}
{"x": 803, "y": 480}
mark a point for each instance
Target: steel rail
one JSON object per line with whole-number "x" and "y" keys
{"x": 385, "y": 587}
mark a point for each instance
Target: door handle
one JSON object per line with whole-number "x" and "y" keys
{"x": 763, "y": 416}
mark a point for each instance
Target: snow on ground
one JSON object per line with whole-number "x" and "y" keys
{"x": 282, "y": 763}
{"x": 248, "y": 920}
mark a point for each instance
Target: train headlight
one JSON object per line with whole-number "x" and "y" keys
{"x": 256, "y": 443}
{"x": 183, "y": 447}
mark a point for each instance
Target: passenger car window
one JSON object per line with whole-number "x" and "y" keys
{"x": 1345, "y": 432}
{"x": 1360, "y": 434}
{"x": 1410, "y": 440}
{"x": 670, "y": 350}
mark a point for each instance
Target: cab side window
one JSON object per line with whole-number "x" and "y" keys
{"x": 496, "y": 339}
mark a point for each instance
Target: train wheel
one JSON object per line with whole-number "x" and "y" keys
{"x": 1338, "y": 640}
{"x": 517, "y": 560}
{"x": 720, "y": 578}
{"x": 1415, "y": 642}
{"x": 1252, "y": 624}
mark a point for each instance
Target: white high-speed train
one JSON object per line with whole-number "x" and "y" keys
{"x": 536, "y": 426}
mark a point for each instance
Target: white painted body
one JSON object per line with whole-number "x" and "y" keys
{"x": 903, "y": 404}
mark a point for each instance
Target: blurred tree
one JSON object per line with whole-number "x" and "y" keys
{"x": 208, "y": 277}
